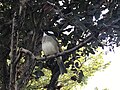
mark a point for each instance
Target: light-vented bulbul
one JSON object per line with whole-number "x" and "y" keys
{"x": 51, "y": 46}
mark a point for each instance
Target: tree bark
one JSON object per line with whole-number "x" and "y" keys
{"x": 4, "y": 70}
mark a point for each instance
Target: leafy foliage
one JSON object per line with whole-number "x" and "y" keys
{"x": 76, "y": 24}
{"x": 68, "y": 81}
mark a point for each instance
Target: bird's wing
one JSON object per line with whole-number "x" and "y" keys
{"x": 57, "y": 43}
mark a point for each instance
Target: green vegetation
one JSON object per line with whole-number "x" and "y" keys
{"x": 92, "y": 64}
{"x": 79, "y": 25}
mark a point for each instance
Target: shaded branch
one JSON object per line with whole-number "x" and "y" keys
{"x": 12, "y": 57}
{"x": 53, "y": 80}
{"x": 28, "y": 70}
{"x": 22, "y": 50}
{"x": 89, "y": 38}
{"x": 112, "y": 23}
{"x": 17, "y": 58}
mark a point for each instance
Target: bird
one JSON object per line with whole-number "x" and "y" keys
{"x": 50, "y": 46}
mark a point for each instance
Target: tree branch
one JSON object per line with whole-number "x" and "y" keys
{"x": 111, "y": 23}
{"x": 12, "y": 57}
{"x": 29, "y": 69}
{"x": 89, "y": 38}
{"x": 22, "y": 50}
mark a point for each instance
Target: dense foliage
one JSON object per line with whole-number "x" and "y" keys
{"x": 76, "y": 23}
{"x": 72, "y": 79}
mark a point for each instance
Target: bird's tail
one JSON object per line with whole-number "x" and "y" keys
{"x": 61, "y": 65}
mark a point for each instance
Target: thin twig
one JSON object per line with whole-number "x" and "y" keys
{"x": 12, "y": 69}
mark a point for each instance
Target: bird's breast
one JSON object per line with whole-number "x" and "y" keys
{"x": 48, "y": 48}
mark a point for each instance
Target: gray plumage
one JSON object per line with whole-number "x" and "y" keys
{"x": 50, "y": 46}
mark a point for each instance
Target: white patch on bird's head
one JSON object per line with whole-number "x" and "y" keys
{"x": 50, "y": 32}
{"x": 44, "y": 34}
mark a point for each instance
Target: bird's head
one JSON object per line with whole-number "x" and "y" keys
{"x": 50, "y": 33}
